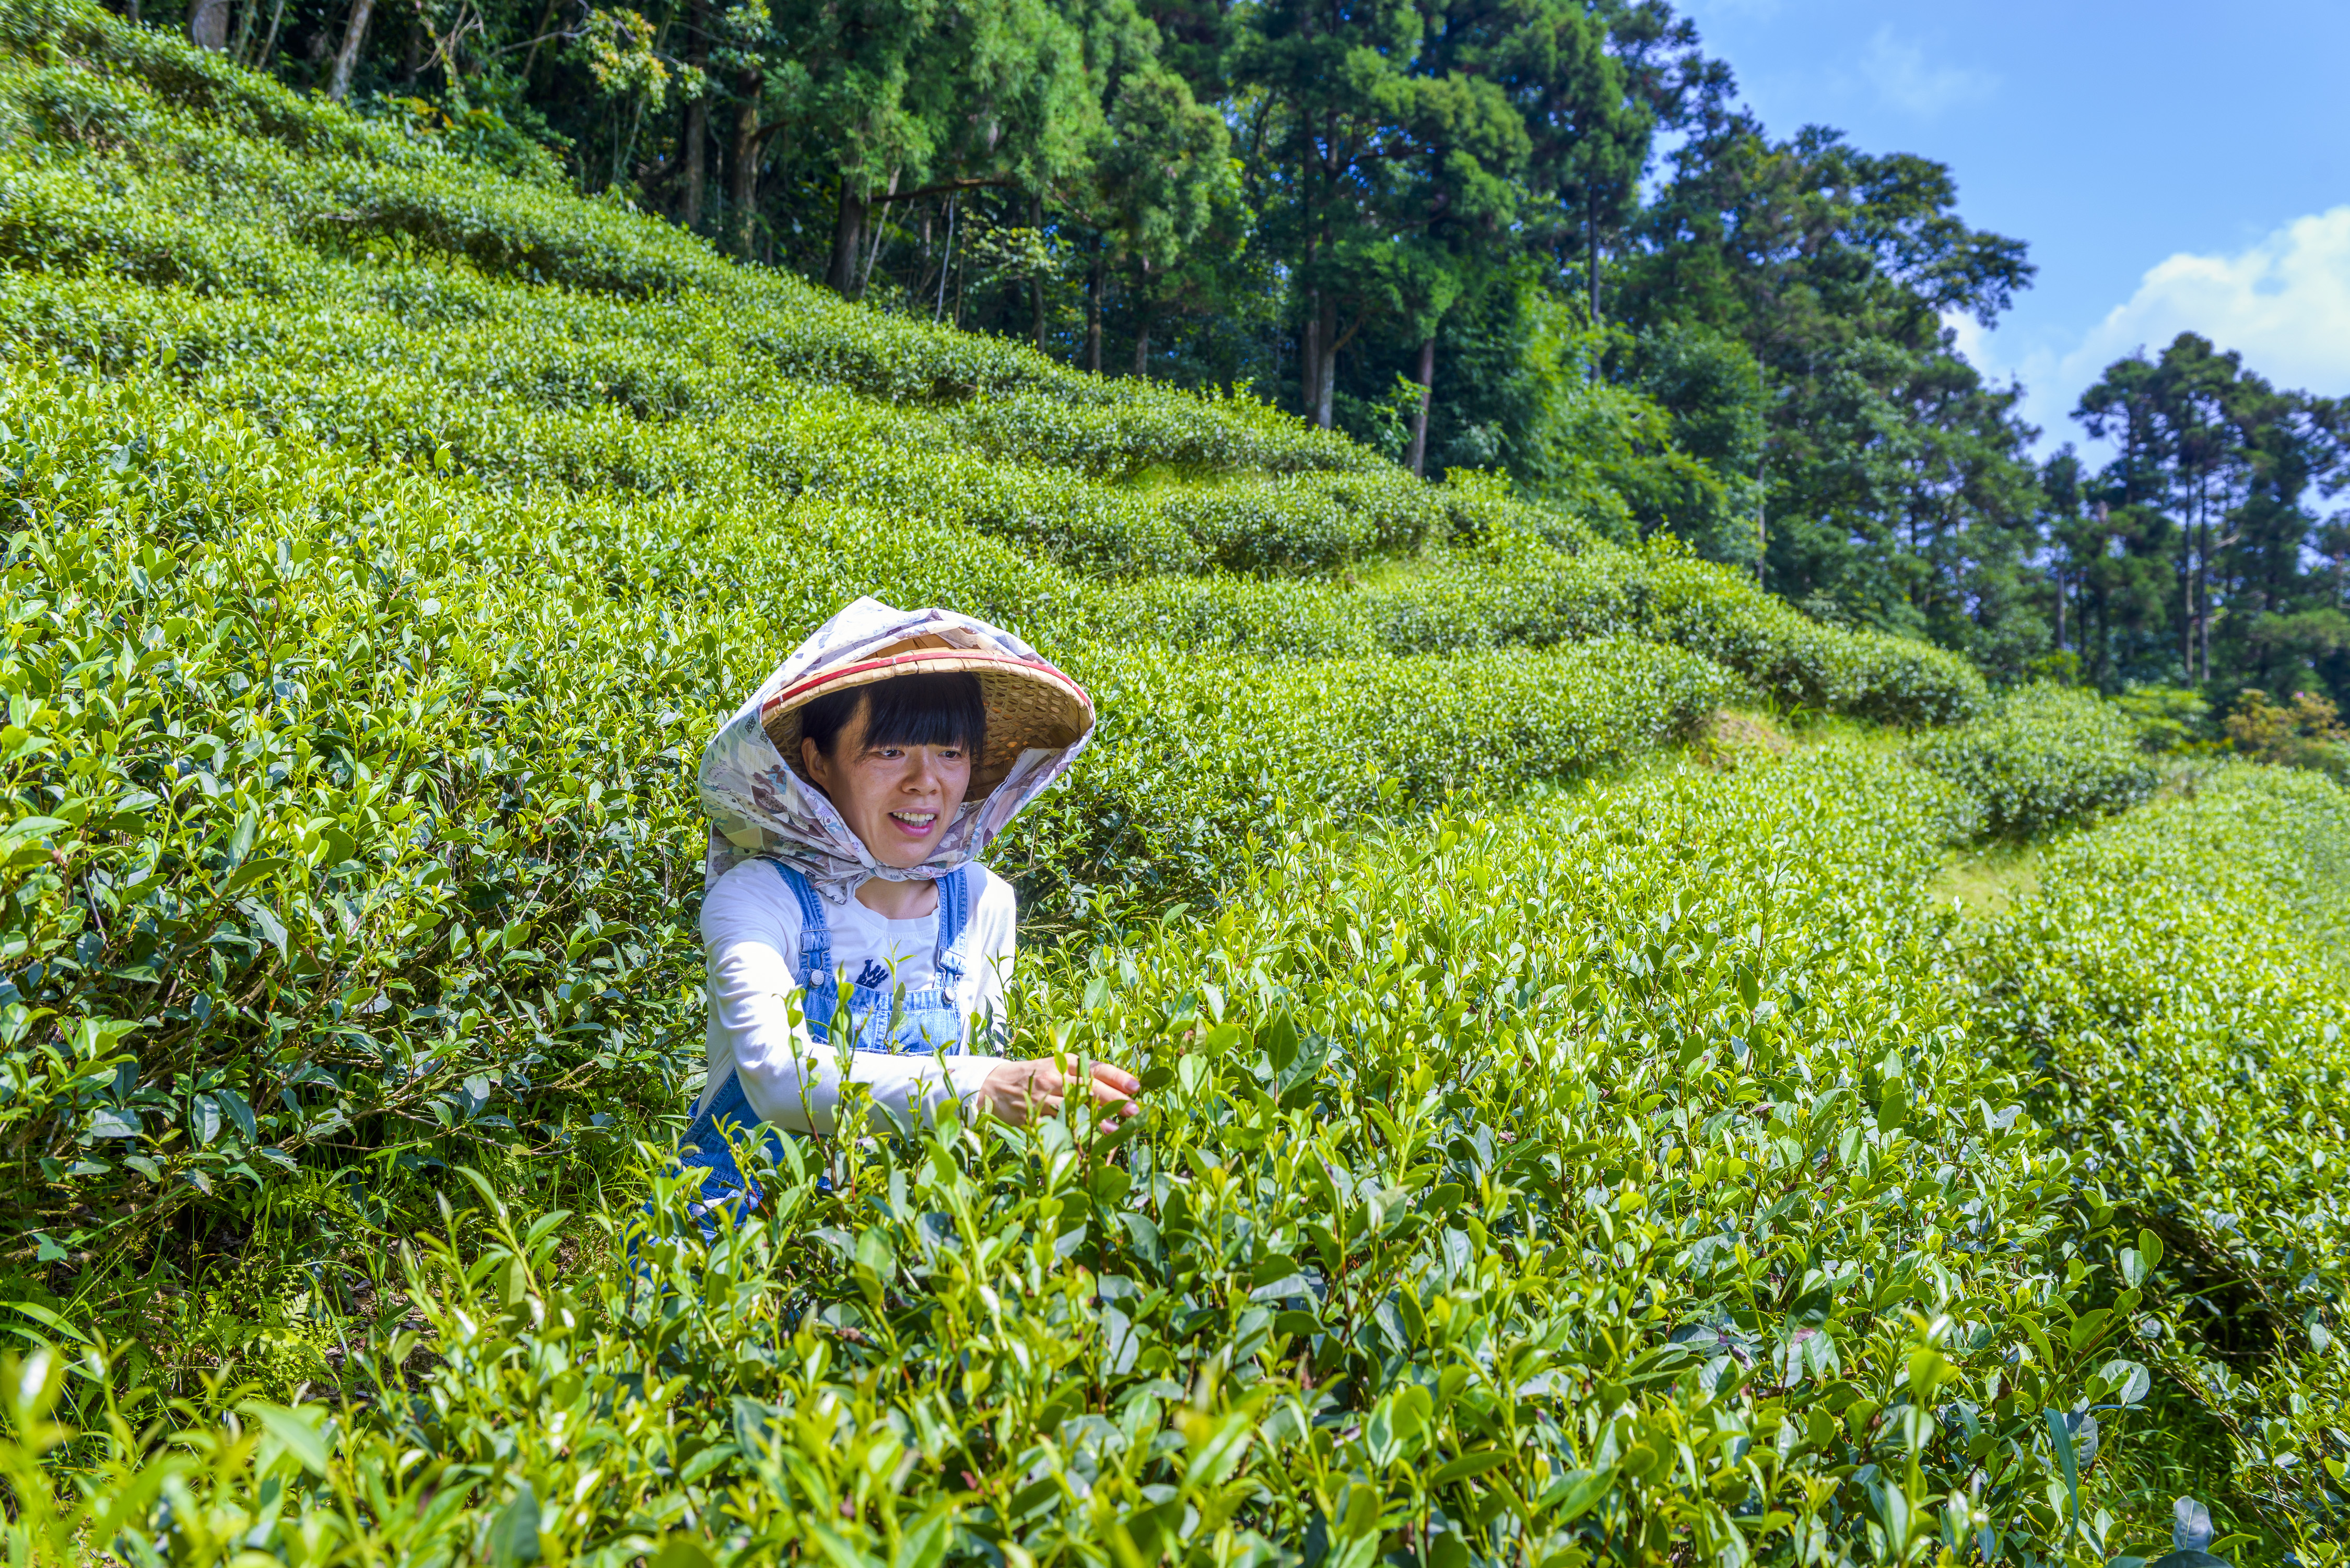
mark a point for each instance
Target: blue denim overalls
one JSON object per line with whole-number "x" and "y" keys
{"x": 925, "y": 1022}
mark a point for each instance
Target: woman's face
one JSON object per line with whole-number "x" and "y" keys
{"x": 899, "y": 799}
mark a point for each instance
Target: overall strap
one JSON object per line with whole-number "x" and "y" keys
{"x": 816, "y": 938}
{"x": 954, "y": 921}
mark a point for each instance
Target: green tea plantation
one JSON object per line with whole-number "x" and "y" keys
{"x": 1593, "y": 1119}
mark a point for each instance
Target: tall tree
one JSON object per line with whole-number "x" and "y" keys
{"x": 1377, "y": 155}
{"x": 694, "y": 135}
{"x": 1585, "y": 138}
{"x": 2281, "y": 569}
{"x": 347, "y": 58}
{"x": 1152, "y": 177}
{"x": 903, "y": 100}
{"x": 1836, "y": 268}
{"x": 2214, "y": 467}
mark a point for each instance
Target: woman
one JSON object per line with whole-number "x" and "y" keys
{"x": 851, "y": 936}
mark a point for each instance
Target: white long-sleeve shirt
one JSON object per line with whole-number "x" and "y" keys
{"x": 751, "y": 937}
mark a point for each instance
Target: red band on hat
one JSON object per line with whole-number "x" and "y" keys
{"x": 835, "y": 676}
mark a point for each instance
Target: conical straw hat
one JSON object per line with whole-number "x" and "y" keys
{"x": 1031, "y": 706}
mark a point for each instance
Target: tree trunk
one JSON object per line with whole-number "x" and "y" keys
{"x": 697, "y": 169}
{"x": 2203, "y": 594}
{"x": 1037, "y": 280}
{"x": 2203, "y": 607}
{"x": 347, "y": 58}
{"x": 1325, "y": 373}
{"x": 1591, "y": 253}
{"x": 268, "y": 44}
{"x": 1143, "y": 318}
{"x": 745, "y": 169}
{"x": 880, "y": 220}
{"x": 697, "y": 120}
{"x": 848, "y": 239}
{"x": 530, "y": 60}
{"x": 2187, "y": 604}
{"x": 946, "y": 262}
{"x": 1093, "y": 309}
{"x": 1419, "y": 415}
{"x": 723, "y": 177}
{"x": 1309, "y": 357}
{"x": 208, "y": 26}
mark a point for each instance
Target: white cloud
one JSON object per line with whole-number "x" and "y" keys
{"x": 2283, "y": 303}
{"x": 1902, "y": 76}
{"x": 1972, "y": 341}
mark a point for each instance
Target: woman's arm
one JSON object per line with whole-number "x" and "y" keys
{"x": 791, "y": 1080}
{"x": 1020, "y": 1091}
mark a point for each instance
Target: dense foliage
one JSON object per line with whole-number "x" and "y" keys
{"x": 1528, "y": 1194}
{"x": 2176, "y": 984}
{"x": 2046, "y": 757}
{"x": 1560, "y": 1152}
{"x": 2197, "y": 542}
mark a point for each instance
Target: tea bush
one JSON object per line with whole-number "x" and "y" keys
{"x": 2178, "y": 989}
{"x": 126, "y": 168}
{"x": 2306, "y": 732}
{"x": 162, "y": 68}
{"x": 1523, "y": 1195}
{"x": 1194, "y": 756}
{"x": 2046, "y": 757}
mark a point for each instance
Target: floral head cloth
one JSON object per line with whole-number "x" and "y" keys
{"x": 760, "y": 807}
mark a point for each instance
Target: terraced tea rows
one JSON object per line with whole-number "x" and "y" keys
{"x": 1562, "y": 1151}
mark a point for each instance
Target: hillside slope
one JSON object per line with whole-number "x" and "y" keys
{"x": 394, "y": 528}
{"x": 1644, "y": 1170}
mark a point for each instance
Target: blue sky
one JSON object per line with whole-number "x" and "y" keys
{"x": 2174, "y": 167}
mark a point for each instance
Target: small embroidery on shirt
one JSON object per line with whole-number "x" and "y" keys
{"x": 873, "y": 975}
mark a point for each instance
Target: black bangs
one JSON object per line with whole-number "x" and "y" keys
{"x": 904, "y": 711}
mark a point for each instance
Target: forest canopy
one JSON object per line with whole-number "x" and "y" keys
{"x": 1538, "y": 236}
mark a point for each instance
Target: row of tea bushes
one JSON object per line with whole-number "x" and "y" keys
{"x": 1200, "y": 762}
{"x": 1526, "y": 592}
{"x": 2047, "y": 757}
{"x": 470, "y": 405}
{"x": 405, "y": 356}
{"x": 2177, "y": 987}
{"x": 314, "y": 835}
{"x": 1610, "y": 1184}
{"x": 821, "y": 448}
{"x": 532, "y": 387}
{"x": 412, "y": 349}
{"x": 591, "y": 394}
{"x": 788, "y": 463}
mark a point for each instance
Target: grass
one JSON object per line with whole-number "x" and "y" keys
{"x": 1988, "y": 879}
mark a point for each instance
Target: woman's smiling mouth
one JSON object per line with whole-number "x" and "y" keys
{"x": 918, "y": 823}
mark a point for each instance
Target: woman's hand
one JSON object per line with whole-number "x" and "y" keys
{"x": 1021, "y": 1091}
